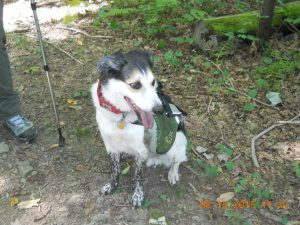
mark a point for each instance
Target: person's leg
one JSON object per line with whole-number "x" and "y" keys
{"x": 9, "y": 100}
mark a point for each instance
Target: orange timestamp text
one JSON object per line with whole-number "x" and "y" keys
{"x": 244, "y": 204}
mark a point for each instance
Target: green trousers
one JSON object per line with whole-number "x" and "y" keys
{"x": 9, "y": 99}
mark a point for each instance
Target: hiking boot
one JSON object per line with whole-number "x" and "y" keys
{"x": 22, "y": 128}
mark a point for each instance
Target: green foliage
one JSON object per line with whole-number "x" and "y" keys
{"x": 173, "y": 57}
{"x": 21, "y": 42}
{"x": 212, "y": 171}
{"x": 249, "y": 107}
{"x": 223, "y": 149}
{"x": 262, "y": 83}
{"x": 180, "y": 191}
{"x": 293, "y": 21}
{"x": 155, "y": 213}
{"x": 33, "y": 70}
{"x": 82, "y": 132}
{"x": 236, "y": 218}
{"x": 229, "y": 165}
{"x": 276, "y": 66}
{"x": 80, "y": 94}
{"x": 162, "y": 43}
{"x": 297, "y": 169}
{"x": 146, "y": 203}
{"x": 154, "y": 16}
{"x": 242, "y": 34}
{"x": 284, "y": 220}
{"x": 163, "y": 197}
{"x": 252, "y": 93}
{"x": 68, "y": 19}
{"x": 183, "y": 40}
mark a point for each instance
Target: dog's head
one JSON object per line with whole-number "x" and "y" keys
{"x": 128, "y": 83}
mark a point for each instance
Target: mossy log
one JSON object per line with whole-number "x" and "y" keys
{"x": 249, "y": 21}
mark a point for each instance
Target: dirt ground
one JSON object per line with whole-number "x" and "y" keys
{"x": 67, "y": 180}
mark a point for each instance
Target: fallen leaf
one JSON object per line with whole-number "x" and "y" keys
{"x": 274, "y": 98}
{"x": 13, "y": 201}
{"x": 225, "y": 197}
{"x": 28, "y": 204}
{"x": 82, "y": 168}
{"x": 79, "y": 42}
{"x": 72, "y": 102}
{"x": 54, "y": 146}
{"x": 126, "y": 170}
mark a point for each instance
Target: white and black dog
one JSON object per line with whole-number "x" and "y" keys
{"x": 126, "y": 98}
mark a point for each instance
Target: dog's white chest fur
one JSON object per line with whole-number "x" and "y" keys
{"x": 127, "y": 140}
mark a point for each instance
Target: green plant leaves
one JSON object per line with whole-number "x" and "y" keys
{"x": 162, "y": 43}
{"x": 252, "y": 93}
{"x": 249, "y": 107}
{"x": 268, "y": 60}
{"x": 172, "y": 57}
{"x": 163, "y": 197}
{"x": 223, "y": 149}
{"x": 297, "y": 169}
{"x": 262, "y": 83}
{"x": 146, "y": 204}
{"x": 180, "y": 191}
{"x": 229, "y": 165}
{"x": 80, "y": 94}
{"x": 211, "y": 171}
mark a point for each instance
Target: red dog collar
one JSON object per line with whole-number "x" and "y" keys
{"x": 104, "y": 103}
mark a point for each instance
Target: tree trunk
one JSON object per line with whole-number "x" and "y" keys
{"x": 265, "y": 29}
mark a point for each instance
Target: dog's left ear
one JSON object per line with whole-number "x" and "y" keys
{"x": 141, "y": 54}
{"x": 111, "y": 65}
{"x": 149, "y": 58}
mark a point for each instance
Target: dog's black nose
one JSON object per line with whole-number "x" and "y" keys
{"x": 157, "y": 109}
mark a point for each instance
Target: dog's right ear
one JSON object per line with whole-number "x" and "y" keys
{"x": 111, "y": 65}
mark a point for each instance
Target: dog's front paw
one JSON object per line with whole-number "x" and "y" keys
{"x": 173, "y": 177}
{"x": 107, "y": 189}
{"x": 138, "y": 196}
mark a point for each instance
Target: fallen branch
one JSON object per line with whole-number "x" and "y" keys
{"x": 288, "y": 122}
{"x": 193, "y": 171}
{"x": 253, "y": 150}
{"x": 68, "y": 54}
{"x": 84, "y": 33}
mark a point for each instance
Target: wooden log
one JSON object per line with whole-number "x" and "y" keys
{"x": 249, "y": 21}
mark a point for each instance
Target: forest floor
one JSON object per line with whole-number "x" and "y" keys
{"x": 65, "y": 182}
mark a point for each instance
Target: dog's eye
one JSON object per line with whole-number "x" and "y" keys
{"x": 153, "y": 83}
{"x": 136, "y": 85}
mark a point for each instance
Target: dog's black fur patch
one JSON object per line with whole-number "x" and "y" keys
{"x": 120, "y": 66}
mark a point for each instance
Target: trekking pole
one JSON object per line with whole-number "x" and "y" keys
{"x": 61, "y": 140}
